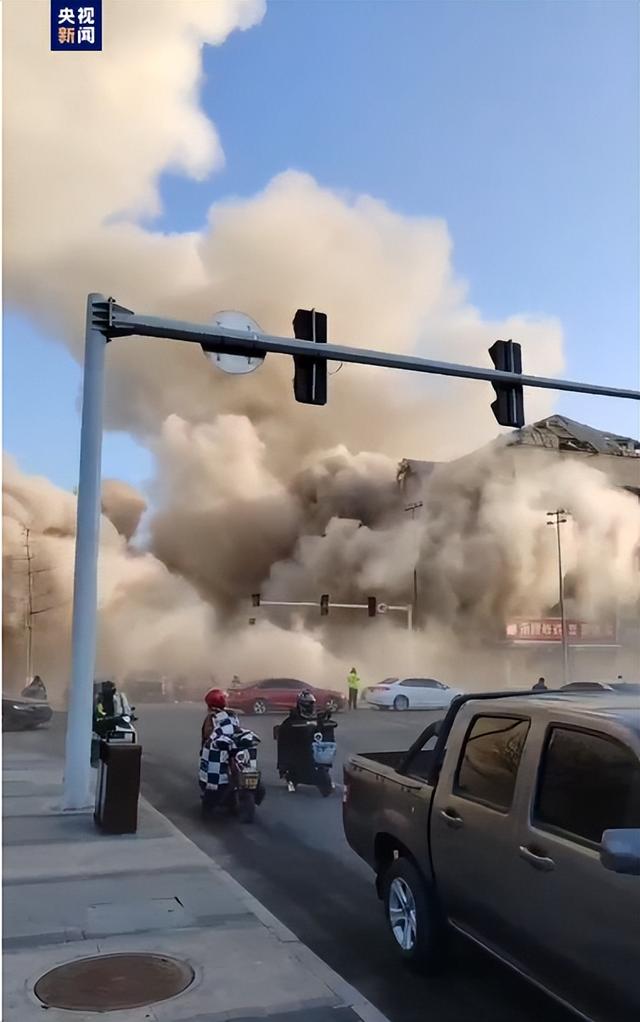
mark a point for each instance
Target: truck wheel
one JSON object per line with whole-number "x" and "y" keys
{"x": 401, "y": 703}
{"x": 414, "y": 917}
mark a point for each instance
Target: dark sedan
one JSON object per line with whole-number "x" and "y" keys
{"x": 21, "y": 714}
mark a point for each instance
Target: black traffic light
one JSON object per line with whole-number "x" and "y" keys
{"x": 372, "y": 605}
{"x": 324, "y": 604}
{"x": 508, "y": 406}
{"x": 310, "y": 374}
{"x": 255, "y": 599}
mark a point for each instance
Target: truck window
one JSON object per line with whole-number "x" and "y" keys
{"x": 588, "y": 783}
{"x": 489, "y": 760}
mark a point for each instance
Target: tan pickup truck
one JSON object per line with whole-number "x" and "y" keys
{"x": 515, "y": 821}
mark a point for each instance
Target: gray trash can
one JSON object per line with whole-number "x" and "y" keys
{"x": 118, "y": 786}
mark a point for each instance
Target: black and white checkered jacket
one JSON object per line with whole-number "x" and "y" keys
{"x": 227, "y": 737}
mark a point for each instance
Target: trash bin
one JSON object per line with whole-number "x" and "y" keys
{"x": 118, "y": 786}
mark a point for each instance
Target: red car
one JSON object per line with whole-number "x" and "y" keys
{"x": 277, "y": 694}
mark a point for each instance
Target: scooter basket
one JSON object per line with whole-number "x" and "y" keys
{"x": 324, "y": 753}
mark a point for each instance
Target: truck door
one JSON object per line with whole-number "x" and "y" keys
{"x": 473, "y": 826}
{"x": 580, "y": 921}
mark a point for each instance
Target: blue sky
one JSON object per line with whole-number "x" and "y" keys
{"x": 515, "y": 122}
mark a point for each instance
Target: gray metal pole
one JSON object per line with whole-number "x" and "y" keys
{"x": 565, "y": 650}
{"x": 77, "y": 771}
{"x": 124, "y": 323}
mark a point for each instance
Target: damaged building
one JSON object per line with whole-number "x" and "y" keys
{"x": 596, "y": 647}
{"x": 551, "y": 438}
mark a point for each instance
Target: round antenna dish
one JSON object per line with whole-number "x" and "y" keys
{"x": 236, "y": 365}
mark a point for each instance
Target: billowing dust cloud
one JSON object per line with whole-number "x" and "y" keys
{"x": 253, "y": 492}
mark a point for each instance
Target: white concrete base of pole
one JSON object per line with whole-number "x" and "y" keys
{"x": 77, "y": 770}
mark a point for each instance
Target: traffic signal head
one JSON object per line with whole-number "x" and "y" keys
{"x": 372, "y": 605}
{"x": 310, "y": 374}
{"x": 508, "y": 406}
{"x": 324, "y": 604}
{"x": 255, "y": 599}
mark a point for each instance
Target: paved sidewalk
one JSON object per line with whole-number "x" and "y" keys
{"x": 70, "y": 893}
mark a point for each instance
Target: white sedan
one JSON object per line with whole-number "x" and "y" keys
{"x": 411, "y": 694}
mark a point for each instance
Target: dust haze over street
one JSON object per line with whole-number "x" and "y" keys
{"x": 439, "y": 187}
{"x": 296, "y": 861}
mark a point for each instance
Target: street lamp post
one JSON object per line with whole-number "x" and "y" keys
{"x": 413, "y": 508}
{"x": 555, "y": 518}
{"x": 105, "y": 321}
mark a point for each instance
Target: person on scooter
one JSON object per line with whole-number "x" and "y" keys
{"x": 295, "y": 738}
{"x": 216, "y": 702}
{"x": 109, "y": 703}
{"x": 221, "y": 738}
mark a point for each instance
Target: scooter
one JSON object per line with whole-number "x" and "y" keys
{"x": 324, "y": 754}
{"x": 243, "y": 792}
{"x": 314, "y": 761}
{"x": 112, "y": 729}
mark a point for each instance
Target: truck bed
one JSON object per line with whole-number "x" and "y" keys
{"x": 392, "y": 759}
{"x": 381, "y": 802}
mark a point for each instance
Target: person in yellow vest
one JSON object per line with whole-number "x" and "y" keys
{"x": 353, "y": 683}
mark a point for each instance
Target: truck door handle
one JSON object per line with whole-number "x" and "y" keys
{"x": 536, "y": 859}
{"x": 451, "y": 818}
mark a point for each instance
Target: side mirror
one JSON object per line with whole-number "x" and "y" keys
{"x": 620, "y": 851}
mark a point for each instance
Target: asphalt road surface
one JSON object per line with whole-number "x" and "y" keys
{"x": 295, "y": 860}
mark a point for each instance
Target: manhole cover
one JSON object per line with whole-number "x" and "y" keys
{"x": 109, "y": 982}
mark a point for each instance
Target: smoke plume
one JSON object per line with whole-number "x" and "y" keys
{"x": 254, "y": 492}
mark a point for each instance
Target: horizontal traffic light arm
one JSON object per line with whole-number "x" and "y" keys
{"x": 122, "y": 323}
{"x": 314, "y": 603}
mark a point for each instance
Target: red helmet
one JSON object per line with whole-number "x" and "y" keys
{"x": 216, "y": 699}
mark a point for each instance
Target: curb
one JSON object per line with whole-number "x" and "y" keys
{"x": 352, "y": 998}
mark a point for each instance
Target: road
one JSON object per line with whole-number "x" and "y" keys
{"x": 295, "y": 860}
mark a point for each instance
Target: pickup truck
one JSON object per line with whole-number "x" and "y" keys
{"x": 515, "y": 821}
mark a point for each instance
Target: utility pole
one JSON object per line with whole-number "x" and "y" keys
{"x": 27, "y": 546}
{"x": 31, "y": 611}
{"x": 556, "y": 518}
{"x": 413, "y": 508}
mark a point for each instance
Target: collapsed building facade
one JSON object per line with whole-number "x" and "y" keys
{"x": 599, "y": 645}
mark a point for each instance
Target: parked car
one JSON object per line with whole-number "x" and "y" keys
{"x": 145, "y": 687}
{"x": 22, "y": 714}
{"x": 410, "y": 694}
{"x": 628, "y": 688}
{"x": 587, "y": 686}
{"x": 515, "y": 821}
{"x": 278, "y": 694}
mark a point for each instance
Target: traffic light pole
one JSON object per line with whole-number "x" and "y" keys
{"x": 123, "y": 323}
{"x": 403, "y": 608}
{"x": 77, "y": 768}
{"x": 106, "y": 321}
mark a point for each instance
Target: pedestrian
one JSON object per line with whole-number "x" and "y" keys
{"x": 353, "y": 684}
{"x": 540, "y": 686}
{"x": 235, "y": 681}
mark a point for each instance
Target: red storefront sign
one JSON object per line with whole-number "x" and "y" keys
{"x": 549, "y": 629}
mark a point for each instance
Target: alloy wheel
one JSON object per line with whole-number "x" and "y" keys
{"x": 402, "y": 914}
